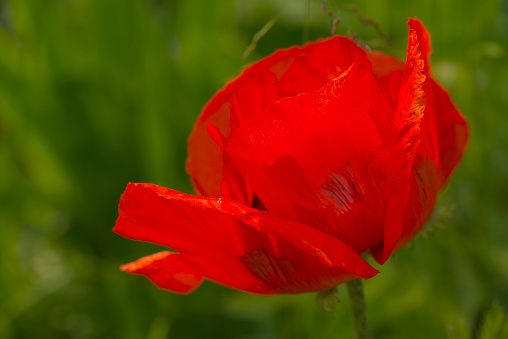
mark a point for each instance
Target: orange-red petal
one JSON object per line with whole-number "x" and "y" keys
{"x": 235, "y": 245}
{"x": 321, "y": 157}
{"x": 285, "y": 73}
{"x": 409, "y": 115}
{"x": 167, "y": 270}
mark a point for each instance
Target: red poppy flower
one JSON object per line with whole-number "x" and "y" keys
{"x": 310, "y": 158}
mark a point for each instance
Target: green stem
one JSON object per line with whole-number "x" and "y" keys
{"x": 357, "y": 298}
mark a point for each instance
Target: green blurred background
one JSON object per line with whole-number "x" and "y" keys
{"x": 98, "y": 93}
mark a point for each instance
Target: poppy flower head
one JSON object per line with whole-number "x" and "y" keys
{"x": 310, "y": 158}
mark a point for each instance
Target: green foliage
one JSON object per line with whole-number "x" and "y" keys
{"x": 458, "y": 330}
{"x": 494, "y": 324}
{"x": 97, "y": 93}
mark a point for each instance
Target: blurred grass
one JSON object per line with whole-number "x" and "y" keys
{"x": 95, "y": 94}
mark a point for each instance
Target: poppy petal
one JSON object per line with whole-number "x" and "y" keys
{"x": 284, "y": 73}
{"x": 388, "y": 72}
{"x": 233, "y": 186}
{"x": 267, "y": 254}
{"x": 383, "y": 65}
{"x": 167, "y": 270}
{"x": 320, "y": 158}
{"x": 452, "y": 130}
{"x": 444, "y": 134}
{"x": 424, "y": 42}
{"x": 410, "y": 110}
{"x": 204, "y": 162}
{"x": 317, "y": 64}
